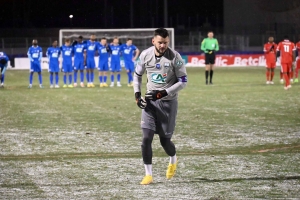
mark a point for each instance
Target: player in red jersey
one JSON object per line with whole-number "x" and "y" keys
{"x": 297, "y": 61}
{"x": 270, "y": 55}
{"x": 286, "y": 50}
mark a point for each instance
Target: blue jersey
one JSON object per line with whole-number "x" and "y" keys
{"x": 3, "y": 56}
{"x": 35, "y": 53}
{"x": 67, "y": 52}
{"x": 115, "y": 52}
{"x": 103, "y": 54}
{"x": 53, "y": 54}
{"x": 91, "y": 49}
{"x": 79, "y": 49}
{"x": 128, "y": 52}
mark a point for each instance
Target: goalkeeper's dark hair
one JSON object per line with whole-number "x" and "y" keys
{"x": 162, "y": 32}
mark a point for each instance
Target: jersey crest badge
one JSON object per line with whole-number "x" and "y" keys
{"x": 157, "y": 65}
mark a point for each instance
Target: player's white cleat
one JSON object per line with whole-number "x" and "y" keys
{"x": 112, "y": 84}
{"x": 147, "y": 180}
{"x": 268, "y": 82}
{"x": 292, "y": 80}
{"x": 56, "y": 86}
{"x": 281, "y": 81}
{"x": 289, "y": 86}
{"x": 51, "y": 86}
{"x": 119, "y": 84}
{"x": 271, "y": 82}
{"x": 41, "y": 86}
{"x": 75, "y": 84}
{"x": 29, "y": 86}
{"x": 1, "y": 86}
{"x": 81, "y": 84}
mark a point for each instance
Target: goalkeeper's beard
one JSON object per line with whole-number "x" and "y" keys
{"x": 159, "y": 51}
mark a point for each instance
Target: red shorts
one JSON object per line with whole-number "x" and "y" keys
{"x": 271, "y": 65}
{"x": 286, "y": 67}
{"x": 298, "y": 63}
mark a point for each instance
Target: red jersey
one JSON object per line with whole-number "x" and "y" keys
{"x": 286, "y": 49}
{"x": 270, "y": 52}
{"x": 298, "y": 48}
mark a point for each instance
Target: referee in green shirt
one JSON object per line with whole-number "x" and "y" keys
{"x": 209, "y": 45}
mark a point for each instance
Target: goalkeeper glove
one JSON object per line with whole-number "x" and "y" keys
{"x": 155, "y": 94}
{"x": 210, "y": 51}
{"x": 140, "y": 101}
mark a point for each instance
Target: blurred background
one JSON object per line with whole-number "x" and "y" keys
{"x": 241, "y": 26}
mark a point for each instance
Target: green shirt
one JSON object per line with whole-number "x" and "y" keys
{"x": 209, "y": 44}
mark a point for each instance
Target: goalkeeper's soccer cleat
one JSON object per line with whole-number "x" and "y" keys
{"x": 147, "y": 180}
{"x": 70, "y": 86}
{"x": 171, "y": 170}
{"x": 296, "y": 80}
{"x": 105, "y": 85}
{"x": 65, "y": 86}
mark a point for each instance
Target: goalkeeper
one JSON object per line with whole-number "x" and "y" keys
{"x": 209, "y": 45}
{"x": 3, "y": 65}
{"x": 166, "y": 76}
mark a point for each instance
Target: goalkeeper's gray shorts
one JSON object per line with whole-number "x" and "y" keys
{"x": 160, "y": 116}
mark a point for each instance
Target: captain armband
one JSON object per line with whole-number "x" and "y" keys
{"x": 182, "y": 79}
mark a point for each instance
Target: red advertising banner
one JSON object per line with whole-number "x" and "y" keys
{"x": 229, "y": 60}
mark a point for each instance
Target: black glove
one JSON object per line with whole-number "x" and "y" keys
{"x": 155, "y": 94}
{"x": 140, "y": 102}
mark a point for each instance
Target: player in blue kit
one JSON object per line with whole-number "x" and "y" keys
{"x": 67, "y": 52}
{"x": 53, "y": 54}
{"x": 79, "y": 60}
{"x": 115, "y": 66}
{"x": 3, "y": 65}
{"x": 35, "y": 54}
{"x": 91, "y": 46}
{"x": 103, "y": 62}
{"x": 130, "y": 53}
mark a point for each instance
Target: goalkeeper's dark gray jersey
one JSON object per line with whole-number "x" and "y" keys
{"x": 163, "y": 73}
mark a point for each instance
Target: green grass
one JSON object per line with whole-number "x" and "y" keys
{"x": 237, "y": 139}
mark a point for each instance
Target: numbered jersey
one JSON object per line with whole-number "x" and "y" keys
{"x": 103, "y": 53}
{"x": 128, "y": 52}
{"x": 53, "y": 53}
{"x": 79, "y": 49}
{"x": 286, "y": 49}
{"x": 35, "y": 53}
{"x": 67, "y": 52}
{"x": 115, "y": 52}
{"x": 162, "y": 72}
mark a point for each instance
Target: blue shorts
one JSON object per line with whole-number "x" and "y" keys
{"x": 78, "y": 64}
{"x": 67, "y": 67}
{"x": 129, "y": 65}
{"x": 35, "y": 66}
{"x": 90, "y": 63}
{"x": 103, "y": 66}
{"x": 115, "y": 66}
{"x": 53, "y": 67}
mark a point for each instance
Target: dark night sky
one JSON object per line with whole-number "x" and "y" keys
{"x": 116, "y": 13}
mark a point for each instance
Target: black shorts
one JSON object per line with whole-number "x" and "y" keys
{"x": 210, "y": 58}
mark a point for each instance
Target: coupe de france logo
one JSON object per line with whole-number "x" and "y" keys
{"x": 157, "y": 65}
{"x": 158, "y": 78}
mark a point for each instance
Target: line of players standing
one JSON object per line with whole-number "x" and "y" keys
{"x": 288, "y": 59}
{"x": 84, "y": 58}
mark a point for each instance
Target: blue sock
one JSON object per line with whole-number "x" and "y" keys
{"x": 92, "y": 77}
{"x": 70, "y": 79}
{"x": 65, "y": 79}
{"x": 81, "y": 76}
{"x": 51, "y": 79}
{"x": 119, "y": 77}
{"x": 2, "y": 78}
{"x": 100, "y": 79}
{"x": 112, "y": 77}
{"x": 40, "y": 79}
{"x": 75, "y": 76}
{"x": 30, "y": 78}
{"x": 129, "y": 78}
{"x": 105, "y": 79}
{"x": 56, "y": 78}
{"x": 87, "y": 77}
